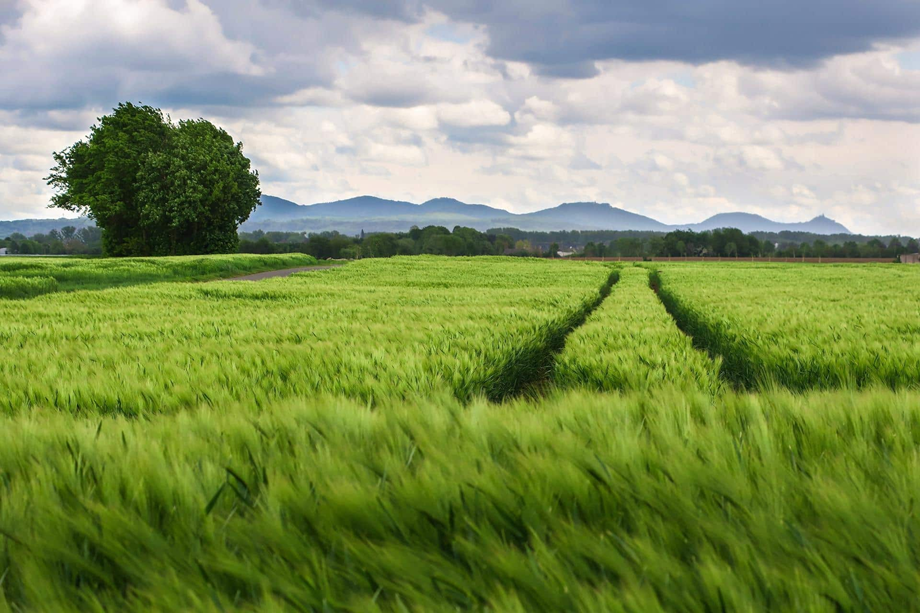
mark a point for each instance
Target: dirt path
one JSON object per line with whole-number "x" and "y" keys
{"x": 287, "y": 272}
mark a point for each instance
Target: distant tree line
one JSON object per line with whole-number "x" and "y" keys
{"x": 874, "y": 248}
{"x": 716, "y": 243}
{"x": 731, "y": 242}
{"x": 434, "y": 240}
{"x": 438, "y": 240}
{"x": 66, "y": 241}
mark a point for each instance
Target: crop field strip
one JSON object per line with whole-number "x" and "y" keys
{"x": 801, "y": 328}
{"x": 368, "y": 469}
{"x": 404, "y": 327}
{"x": 636, "y": 502}
{"x": 632, "y": 343}
{"x": 30, "y": 277}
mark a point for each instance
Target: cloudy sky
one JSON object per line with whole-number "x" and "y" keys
{"x": 673, "y": 109}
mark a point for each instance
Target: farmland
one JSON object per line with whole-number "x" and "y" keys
{"x": 432, "y": 433}
{"x": 802, "y": 328}
{"x": 631, "y": 343}
{"x": 29, "y": 277}
{"x": 409, "y": 327}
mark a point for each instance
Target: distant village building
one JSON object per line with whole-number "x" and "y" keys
{"x": 565, "y": 254}
{"x": 910, "y": 258}
{"x": 2, "y": 250}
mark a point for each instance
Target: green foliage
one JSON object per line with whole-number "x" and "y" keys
{"x": 631, "y": 343}
{"x": 725, "y": 242}
{"x": 802, "y": 327}
{"x": 66, "y": 241}
{"x": 431, "y": 240}
{"x": 155, "y": 188}
{"x": 53, "y": 274}
{"x": 195, "y": 195}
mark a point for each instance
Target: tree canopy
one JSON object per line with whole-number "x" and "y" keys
{"x": 157, "y": 188}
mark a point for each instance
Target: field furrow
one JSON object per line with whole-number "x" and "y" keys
{"x": 632, "y": 343}
{"x": 372, "y": 329}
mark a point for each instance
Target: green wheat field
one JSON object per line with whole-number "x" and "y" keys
{"x": 443, "y": 434}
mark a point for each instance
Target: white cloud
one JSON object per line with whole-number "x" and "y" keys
{"x": 332, "y": 103}
{"x": 61, "y": 52}
{"x": 537, "y": 109}
{"x": 542, "y": 142}
{"x": 661, "y": 161}
{"x": 803, "y": 195}
{"x": 472, "y": 114}
{"x": 313, "y": 96}
{"x": 148, "y": 35}
{"x": 752, "y": 157}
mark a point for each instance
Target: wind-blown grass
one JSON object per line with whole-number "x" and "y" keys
{"x": 372, "y": 329}
{"x": 75, "y": 273}
{"x": 26, "y": 287}
{"x": 802, "y": 327}
{"x": 329, "y": 442}
{"x": 663, "y": 501}
{"x": 631, "y": 343}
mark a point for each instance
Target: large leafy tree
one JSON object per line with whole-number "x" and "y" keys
{"x": 194, "y": 195}
{"x": 157, "y": 188}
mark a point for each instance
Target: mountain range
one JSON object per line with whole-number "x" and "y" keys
{"x": 30, "y": 227}
{"x": 372, "y": 214}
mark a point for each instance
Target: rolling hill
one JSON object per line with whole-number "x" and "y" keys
{"x": 593, "y": 216}
{"x": 748, "y": 222}
{"x": 372, "y": 214}
{"x": 29, "y": 227}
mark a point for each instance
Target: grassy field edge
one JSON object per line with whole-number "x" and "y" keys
{"x": 22, "y": 278}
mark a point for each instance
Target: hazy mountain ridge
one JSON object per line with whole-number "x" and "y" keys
{"x": 372, "y": 214}
{"x": 30, "y": 227}
{"x": 369, "y": 207}
{"x": 749, "y": 222}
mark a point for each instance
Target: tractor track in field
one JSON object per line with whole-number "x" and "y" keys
{"x": 729, "y": 367}
{"x": 541, "y": 383}
{"x": 285, "y": 272}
